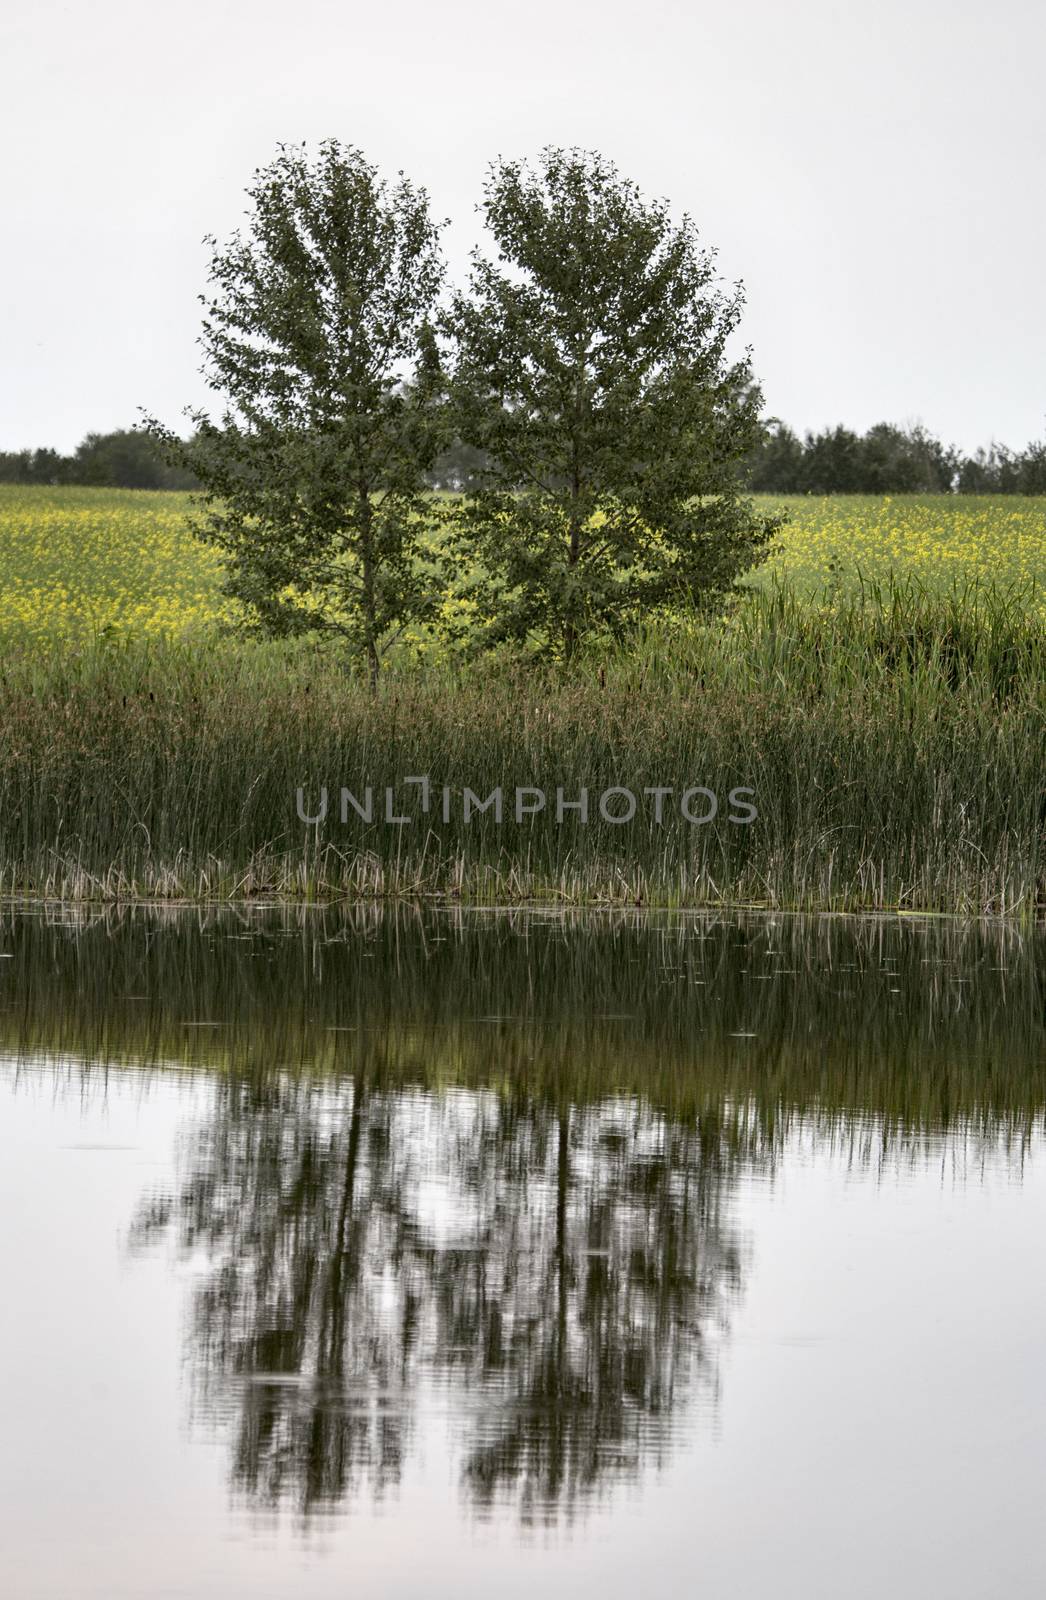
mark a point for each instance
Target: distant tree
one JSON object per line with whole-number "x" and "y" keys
{"x": 126, "y": 459}
{"x": 940, "y": 462}
{"x": 994, "y": 470}
{"x": 313, "y": 479}
{"x": 35, "y": 466}
{"x": 885, "y": 460}
{"x": 775, "y": 464}
{"x": 831, "y": 462}
{"x": 14, "y": 466}
{"x": 904, "y": 461}
{"x": 977, "y": 472}
{"x": 1032, "y": 472}
{"x": 460, "y": 466}
{"x": 592, "y": 371}
{"x": 48, "y": 466}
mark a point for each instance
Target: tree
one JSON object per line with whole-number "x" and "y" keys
{"x": 126, "y": 459}
{"x": 905, "y": 461}
{"x": 831, "y": 462}
{"x": 885, "y": 460}
{"x": 35, "y": 466}
{"x": 600, "y": 1259}
{"x": 776, "y": 463}
{"x": 314, "y": 478}
{"x": 591, "y": 368}
{"x": 302, "y": 1213}
{"x": 458, "y": 467}
{"x": 1032, "y": 472}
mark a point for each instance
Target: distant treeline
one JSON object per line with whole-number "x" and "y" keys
{"x": 125, "y": 459}
{"x": 888, "y": 460}
{"x": 885, "y": 460}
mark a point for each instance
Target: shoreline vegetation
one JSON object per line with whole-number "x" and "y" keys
{"x": 893, "y": 742}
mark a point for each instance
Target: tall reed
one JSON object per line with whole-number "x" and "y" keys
{"x": 893, "y": 744}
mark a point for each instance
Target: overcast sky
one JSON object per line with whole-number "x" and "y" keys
{"x": 873, "y": 172}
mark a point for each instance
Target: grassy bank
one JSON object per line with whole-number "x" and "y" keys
{"x": 893, "y": 744}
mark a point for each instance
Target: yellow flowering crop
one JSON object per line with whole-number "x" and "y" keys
{"x": 937, "y": 539}
{"x": 75, "y": 562}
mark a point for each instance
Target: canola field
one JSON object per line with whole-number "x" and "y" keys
{"x": 833, "y": 542}
{"x": 76, "y": 563}
{"x": 80, "y": 563}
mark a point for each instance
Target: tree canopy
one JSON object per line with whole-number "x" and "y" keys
{"x": 592, "y": 372}
{"x": 314, "y": 476}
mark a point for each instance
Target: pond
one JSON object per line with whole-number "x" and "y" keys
{"x": 435, "y": 1252}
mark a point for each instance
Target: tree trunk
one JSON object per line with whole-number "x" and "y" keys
{"x": 570, "y": 632}
{"x": 573, "y": 558}
{"x": 331, "y": 1352}
{"x": 370, "y": 618}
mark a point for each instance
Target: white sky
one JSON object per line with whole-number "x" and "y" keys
{"x": 874, "y": 173}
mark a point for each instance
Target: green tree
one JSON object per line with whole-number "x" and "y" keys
{"x": 314, "y": 478}
{"x": 459, "y": 467}
{"x": 831, "y": 462}
{"x": 592, "y": 370}
{"x": 125, "y": 459}
{"x": 35, "y": 466}
{"x": 905, "y": 461}
{"x": 776, "y": 463}
{"x": 1032, "y": 469}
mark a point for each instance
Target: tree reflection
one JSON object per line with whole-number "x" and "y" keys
{"x": 548, "y": 1271}
{"x": 295, "y": 1198}
{"x": 601, "y": 1262}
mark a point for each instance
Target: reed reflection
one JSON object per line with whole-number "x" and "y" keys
{"x": 914, "y": 1022}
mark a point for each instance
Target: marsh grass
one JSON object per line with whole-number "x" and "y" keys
{"x": 894, "y": 741}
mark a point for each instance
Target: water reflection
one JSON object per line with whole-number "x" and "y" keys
{"x": 557, "y": 1267}
{"x": 494, "y": 1158}
{"x": 919, "y": 1022}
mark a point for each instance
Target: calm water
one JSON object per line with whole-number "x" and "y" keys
{"x": 471, "y": 1254}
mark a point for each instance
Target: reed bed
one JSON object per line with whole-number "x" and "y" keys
{"x": 893, "y": 743}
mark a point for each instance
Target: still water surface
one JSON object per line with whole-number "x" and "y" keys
{"x": 435, "y": 1254}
